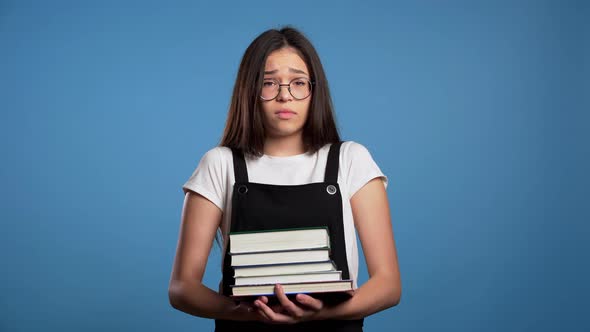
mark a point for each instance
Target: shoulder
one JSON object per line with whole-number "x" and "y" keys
{"x": 210, "y": 177}
{"x": 214, "y": 164}
{"x": 352, "y": 151}
{"x": 218, "y": 155}
{"x": 353, "y": 146}
{"x": 358, "y": 166}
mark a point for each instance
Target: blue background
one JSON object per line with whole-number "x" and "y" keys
{"x": 478, "y": 112}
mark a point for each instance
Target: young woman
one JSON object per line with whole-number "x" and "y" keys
{"x": 281, "y": 164}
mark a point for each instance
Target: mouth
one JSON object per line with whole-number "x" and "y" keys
{"x": 285, "y": 113}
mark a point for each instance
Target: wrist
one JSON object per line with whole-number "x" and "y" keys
{"x": 230, "y": 309}
{"x": 341, "y": 311}
{"x": 242, "y": 311}
{"x": 327, "y": 312}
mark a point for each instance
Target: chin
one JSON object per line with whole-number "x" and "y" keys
{"x": 285, "y": 132}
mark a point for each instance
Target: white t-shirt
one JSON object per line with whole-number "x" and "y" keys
{"x": 214, "y": 179}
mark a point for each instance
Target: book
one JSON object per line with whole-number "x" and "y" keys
{"x": 279, "y": 269}
{"x": 289, "y": 278}
{"x": 330, "y": 292}
{"x": 279, "y": 239}
{"x": 297, "y": 258}
{"x": 328, "y": 298}
{"x": 280, "y": 257}
{"x": 294, "y": 288}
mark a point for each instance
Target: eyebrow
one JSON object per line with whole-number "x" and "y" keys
{"x": 293, "y": 70}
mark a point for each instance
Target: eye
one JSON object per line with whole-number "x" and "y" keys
{"x": 300, "y": 83}
{"x": 268, "y": 84}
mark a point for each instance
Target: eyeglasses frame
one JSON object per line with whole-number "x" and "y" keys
{"x": 288, "y": 85}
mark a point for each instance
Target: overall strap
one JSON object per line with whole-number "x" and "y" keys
{"x": 331, "y": 174}
{"x": 240, "y": 170}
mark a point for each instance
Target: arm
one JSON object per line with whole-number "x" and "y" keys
{"x": 199, "y": 222}
{"x": 383, "y": 289}
{"x": 372, "y": 220}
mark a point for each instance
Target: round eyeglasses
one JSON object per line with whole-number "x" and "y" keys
{"x": 299, "y": 88}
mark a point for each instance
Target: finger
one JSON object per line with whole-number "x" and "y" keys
{"x": 274, "y": 307}
{"x": 311, "y": 302}
{"x": 261, "y": 311}
{"x": 278, "y": 308}
{"x": 271, "y": 315}
{"x": 264, "y": 299}
{"x": 291, "y": 307}
{"x": 263, "y": 315}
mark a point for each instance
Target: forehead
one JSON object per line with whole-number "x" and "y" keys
{"x": 284, "y": 58}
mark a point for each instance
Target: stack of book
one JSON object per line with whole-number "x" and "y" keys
{"x": 296, "y": 258}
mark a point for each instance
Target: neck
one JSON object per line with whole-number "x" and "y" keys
{"x": 284, "y": 146}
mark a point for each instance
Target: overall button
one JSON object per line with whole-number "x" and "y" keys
{"x": 331, "y": 189}
{"x": 242, "y": 189}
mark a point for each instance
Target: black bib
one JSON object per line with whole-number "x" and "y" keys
{"x": 258, "y": 206}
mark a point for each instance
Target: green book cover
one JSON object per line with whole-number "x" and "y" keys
{"x": 280, "y": 230}
{"x": 287, "y": 230}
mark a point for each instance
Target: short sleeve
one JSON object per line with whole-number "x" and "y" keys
{"x": 208, "y": 178}
{"x": 360, "y": 167}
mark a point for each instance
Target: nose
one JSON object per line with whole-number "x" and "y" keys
{"x": 284, "y": 93}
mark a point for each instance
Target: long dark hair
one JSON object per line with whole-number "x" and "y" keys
{"x": 244, "y": 128}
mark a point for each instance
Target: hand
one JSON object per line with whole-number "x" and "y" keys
{"x": 244, "y": 311}
{"x": 289, "y": 312}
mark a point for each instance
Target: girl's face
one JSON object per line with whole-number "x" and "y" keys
{"x": 285, "y": 115}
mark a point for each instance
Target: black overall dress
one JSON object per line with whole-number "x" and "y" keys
{"x": 257, "y": 206}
